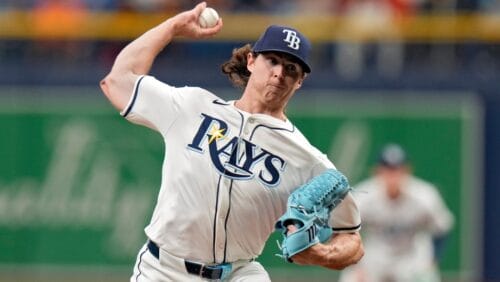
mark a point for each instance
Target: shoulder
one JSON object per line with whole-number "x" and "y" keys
{"x": 423, "y": 190}
{"x": 419, "y": 185}
{"x": 147, "y": 82}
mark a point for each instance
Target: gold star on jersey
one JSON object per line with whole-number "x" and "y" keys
{"x": 216, "y": 134}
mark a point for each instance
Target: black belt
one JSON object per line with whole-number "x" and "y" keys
{"x": 205, "y": 271}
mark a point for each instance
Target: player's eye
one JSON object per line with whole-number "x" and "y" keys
{"x": 291, "y": 68}
{"x": 274, "y": 61}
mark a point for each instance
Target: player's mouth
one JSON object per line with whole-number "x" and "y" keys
{"x": 277, "y": 86}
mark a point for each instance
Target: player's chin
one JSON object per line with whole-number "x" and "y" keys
{"x": 277, "y": 95}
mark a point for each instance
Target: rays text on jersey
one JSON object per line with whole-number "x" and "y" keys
{"x": 235, "y": 157}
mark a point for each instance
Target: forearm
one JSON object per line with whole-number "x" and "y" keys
{"x": 341, "y": 251}
{"x": 137, "y": 57}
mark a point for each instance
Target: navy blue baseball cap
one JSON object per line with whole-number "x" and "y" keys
{"x": 286, "y": 40}
{"x": 392, "y": 155}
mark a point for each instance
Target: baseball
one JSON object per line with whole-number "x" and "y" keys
{"x": 208, "y": 18}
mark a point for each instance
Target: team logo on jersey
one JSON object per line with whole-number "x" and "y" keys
{"x": 236, "y": 158}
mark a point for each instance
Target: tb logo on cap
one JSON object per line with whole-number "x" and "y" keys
{"x": 292, "y": 39}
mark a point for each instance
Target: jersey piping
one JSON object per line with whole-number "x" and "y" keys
{"x": 227, "y": 218}
{"x": 214, "y": 235}
{"x": 272, "y": 128}
{"x": 347, "y": 228}
{"x": 132, "y": 101}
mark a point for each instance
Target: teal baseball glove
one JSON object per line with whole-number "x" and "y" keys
{"x": 309, "y": 208}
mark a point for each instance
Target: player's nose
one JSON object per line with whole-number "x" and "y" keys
{"x": 278, "y": 71}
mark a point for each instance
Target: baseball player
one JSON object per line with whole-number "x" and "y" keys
{"x": 229, "y": 165}
{"x": 402, "y": 215}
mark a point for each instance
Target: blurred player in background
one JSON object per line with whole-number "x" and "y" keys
{"x": 230, "y": 166}
{"x": 405, "y": 222}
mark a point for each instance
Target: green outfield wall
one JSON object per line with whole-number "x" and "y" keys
{"x": 78, "y": 183}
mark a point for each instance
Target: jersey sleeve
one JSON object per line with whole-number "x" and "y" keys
{"x": 153, "y": 104}
{"x": 345, "y": 217}
{"x": 441, "y": 219}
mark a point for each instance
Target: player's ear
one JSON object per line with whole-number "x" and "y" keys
{"x": 299, "y": 82}
{"x": 251, "y": 57}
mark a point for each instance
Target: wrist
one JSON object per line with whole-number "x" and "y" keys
{"x": 169, "y": 28}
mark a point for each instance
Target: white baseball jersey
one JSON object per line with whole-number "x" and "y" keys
{"x": 398, "y": 233}
{"x": 227, "y": 174}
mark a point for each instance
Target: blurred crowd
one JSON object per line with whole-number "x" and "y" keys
{"x": 268, "y": 6}
{"x": 348, "y": 59}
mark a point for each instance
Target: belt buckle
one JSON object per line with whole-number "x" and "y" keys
{"x": 217, "y": 271}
